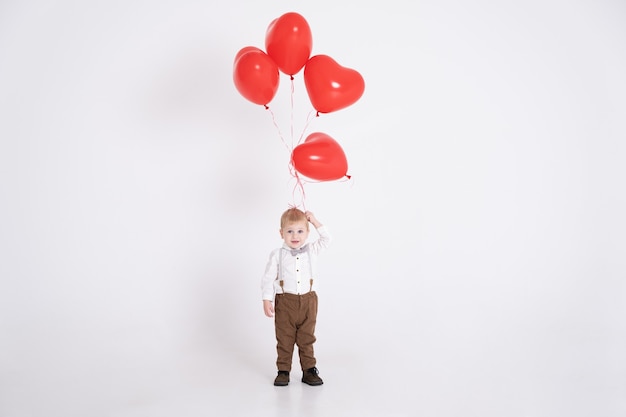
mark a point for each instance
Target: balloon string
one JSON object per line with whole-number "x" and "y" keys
{"x": 298, "y": 187}
{"x": 278, "y": 130}
{"x": 292, "y": 107}
{"x": 292, "y": 171}
{"x": 309, "y": 119}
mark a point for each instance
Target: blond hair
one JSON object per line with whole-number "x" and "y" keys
{"x": 293, "y": 215}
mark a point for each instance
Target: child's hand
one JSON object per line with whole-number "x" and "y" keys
{"x": 268, "y": 308}
{"x": 311, "y": 217}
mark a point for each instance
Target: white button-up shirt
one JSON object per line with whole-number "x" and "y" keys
{"x": 296, "y": 271}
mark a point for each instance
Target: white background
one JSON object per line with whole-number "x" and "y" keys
{"x": 478, "y": 266}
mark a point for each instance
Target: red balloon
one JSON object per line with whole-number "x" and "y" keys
{"x": 320, "y": 157}
{"x": 288, "y": 41}
{"x": 255, "y": 75}
{"x": 330, "y": 86}
{"x": 245, "y": 50}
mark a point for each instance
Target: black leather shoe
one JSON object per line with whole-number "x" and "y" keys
{"x": 282, "y": 379}
{"x": 311, "y": 377}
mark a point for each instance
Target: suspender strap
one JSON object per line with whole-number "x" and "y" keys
{"x": 280, "y": 271}
{"x": 310, "y": 268}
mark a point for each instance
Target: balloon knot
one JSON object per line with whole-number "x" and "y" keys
{"x": 291, "y": 76}
{"x": 266, "y": 107}
{"x": 348, "y": 176}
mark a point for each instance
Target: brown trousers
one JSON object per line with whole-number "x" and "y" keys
{"x": 294, "y": 320}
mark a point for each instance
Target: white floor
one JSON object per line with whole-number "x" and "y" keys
{"x": 362, "y": 378}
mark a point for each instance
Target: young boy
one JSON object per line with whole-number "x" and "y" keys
{"x": 289, "y": 281}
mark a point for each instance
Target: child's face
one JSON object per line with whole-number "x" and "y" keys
{"x": 295, "y": 234}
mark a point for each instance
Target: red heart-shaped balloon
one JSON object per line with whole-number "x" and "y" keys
{"x": 330, "y": 86}
{"x": 255, "y": 75}
{"x": 320, "y": 157}
{"x": 288, "y": 41}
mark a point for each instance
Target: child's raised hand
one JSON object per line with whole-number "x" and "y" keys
{"x": 311, "y": 217}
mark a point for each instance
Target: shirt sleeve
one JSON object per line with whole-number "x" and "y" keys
{"x": 269, "y": 276}
{"x": 323, "y": 241}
